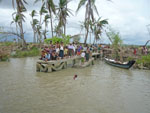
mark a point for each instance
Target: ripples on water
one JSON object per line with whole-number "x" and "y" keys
{"x": 98, "y": 89}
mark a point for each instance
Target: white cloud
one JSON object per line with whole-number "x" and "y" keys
{"x": 128, "y": 17}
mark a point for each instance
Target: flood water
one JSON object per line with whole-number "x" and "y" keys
{"x": 98, "y": 89}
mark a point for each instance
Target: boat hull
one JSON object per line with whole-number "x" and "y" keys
{"x": 125, "y": 66}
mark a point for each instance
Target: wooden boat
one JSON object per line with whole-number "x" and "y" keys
{"x": 125, "y": 65}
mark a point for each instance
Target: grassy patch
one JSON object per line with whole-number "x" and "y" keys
{"x": 4, "y": 58}
{"x": 27, "y": 53}
{"x": 145, "y": 60}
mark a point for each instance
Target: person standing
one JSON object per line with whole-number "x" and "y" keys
{"x": 82, "y": 57}
{"x": 70, "y": 49}
{"x": 134, "y": 51}
{"x": 87, "y": 54}
{"x": 61, "y": 52}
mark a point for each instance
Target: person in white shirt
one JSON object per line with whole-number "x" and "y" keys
{"x": 82, "y": 56}
{"x": 61, "y": 52}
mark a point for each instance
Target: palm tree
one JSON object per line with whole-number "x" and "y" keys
{"x": 97, "y": 27}
{"x": 83, "y": 26}
{"x": 15, "y": 20}
{"x": 33, "y": 24}
{"x": 20, "y": 10}
{"x": 63, "y": 13}
{"x": 42, "y": 11}
{"x": 39, "y": 28}
{"x": 89, "y": 15}
{"x": 52, "y": 10}
{"x": 46, "y": 24}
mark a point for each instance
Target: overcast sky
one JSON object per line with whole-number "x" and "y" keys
{"x": 129, "y": 17}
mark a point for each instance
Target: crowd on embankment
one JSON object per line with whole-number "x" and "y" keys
{"x": 60, "y": 51}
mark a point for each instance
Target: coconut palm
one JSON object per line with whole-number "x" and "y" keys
{"x": 63, "y": 13}
{"x": 46, "y": 24}
{"x": 52, "y": 10}
{"x": 42, "y": 12}
{"x": 97, "y": 27}
{"x": 33, "y": 24}
{"x": 20, "y": 6}
{"x": 15, "y": 20}
{"x": 89, "y": 15}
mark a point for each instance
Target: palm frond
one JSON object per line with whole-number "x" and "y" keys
{"x": 51, "y": 6}
{"x": 81, "y": 3}
{"x": 25, "y": 2}
{"x": 95, "y": 9}
{"x": 35, "y": 22}
{"x": 33, "y": 13}
{"x": 36, "y": 1}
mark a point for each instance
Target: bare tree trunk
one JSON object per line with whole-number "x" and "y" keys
{"x": 51, "y": 20}
{"x": 65, "y": 23}
{"x": 34, "y": 38}
{"x": 65, "y": 29}
{"x": 22, "y": 35}
{"x": 86, "y": 36}
{"x": 17, "y": 33}
{"x": 45, "y": 31}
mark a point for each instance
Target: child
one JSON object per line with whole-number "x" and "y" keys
{"x": 82, "y": 57}
{"x": 66, "y": 51}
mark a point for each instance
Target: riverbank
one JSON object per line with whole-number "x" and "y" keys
{"x": 13, "y": 50}
{"x": 9, "y": 49}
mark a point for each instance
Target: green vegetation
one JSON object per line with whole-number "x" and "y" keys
{"x": 54, "y": 40}
{"x": 4, "y": 57}
{"x": 145, "y": 60}
{"x": 116, "y": 41}
{"x": 6, "y": 44}
{"x": 27, "y": 53}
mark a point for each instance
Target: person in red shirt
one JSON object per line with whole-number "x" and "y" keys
{"x": 134, "y": 51}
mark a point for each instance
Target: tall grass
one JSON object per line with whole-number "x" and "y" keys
{"x": 145, "y": 60}
{"x": 27, "y": 53}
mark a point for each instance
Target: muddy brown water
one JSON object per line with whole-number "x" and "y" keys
{"x": 98, "y": 89}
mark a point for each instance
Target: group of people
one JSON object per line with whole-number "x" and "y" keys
{"x": 60, "y": 51}
{"x": 142, "y": 50}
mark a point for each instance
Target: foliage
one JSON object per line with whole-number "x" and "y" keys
{"x": 130, "y": 58}
{"x": 4, "y": 58}
{"x": 62, "y": 14}
{"x": 27, "y": 53}
{"x": 116, "y": 41}
{"x": 89, "y": 13}
{"x": 115, "y": 38}
{"x": 54, "y": 40}
{"x": 97, "y": 27}
{"x": 7, "y": 43}
{"x": 145, "y": 60}
{"x": 66, "y": 39}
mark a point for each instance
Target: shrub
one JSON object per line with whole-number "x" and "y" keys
{"x": 54, "y": 40}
